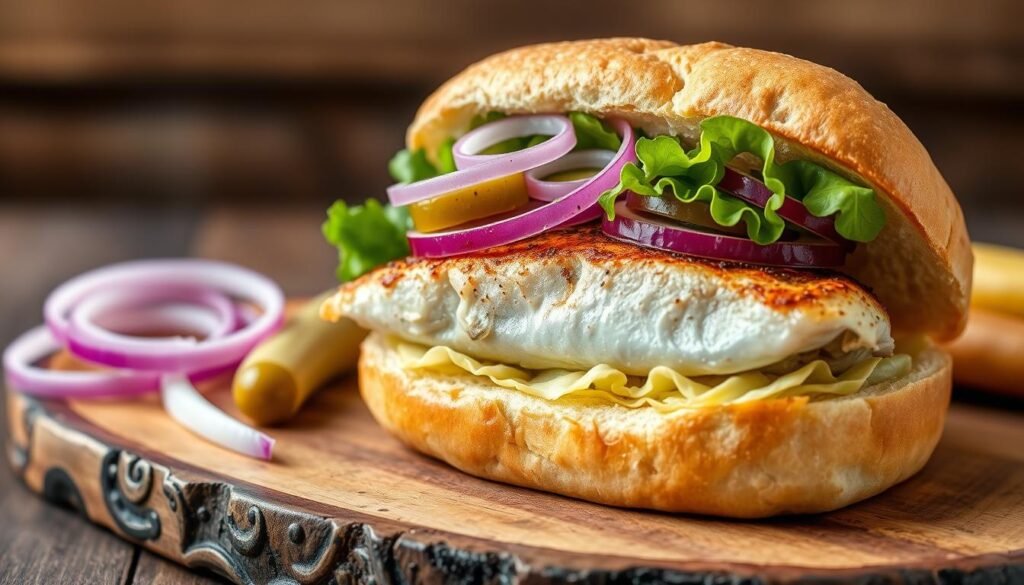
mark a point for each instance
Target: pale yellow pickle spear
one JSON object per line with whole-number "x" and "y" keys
{"x": 277, "y": 377}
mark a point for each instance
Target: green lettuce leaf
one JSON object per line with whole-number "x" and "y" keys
{"x": 445, "y": 158}
{"x": 824, "y": 193}
{"x": 725, "y": 209}
{"x": 366, "y": 236}
{"x": 372, "y": 234}
{"x": 409, "y": 166}
{"x": 592, "y": 133}
{"x": 481, "y": 119}
{"x": 692, "y": 177}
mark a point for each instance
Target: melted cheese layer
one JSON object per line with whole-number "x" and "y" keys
{"x": 663, "y": 388}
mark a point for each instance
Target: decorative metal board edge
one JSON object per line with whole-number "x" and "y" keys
{"x": 247, "y": 538}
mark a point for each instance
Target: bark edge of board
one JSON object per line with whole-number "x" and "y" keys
{"x": 249, "y": 534}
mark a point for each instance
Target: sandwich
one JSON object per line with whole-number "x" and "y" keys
{"x": 698, "y": 279}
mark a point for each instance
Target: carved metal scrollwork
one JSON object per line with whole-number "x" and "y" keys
{"x": 368, "y": 555}
{"x": 137, "y": 480}
{"x": 59, "y": 488}
{"x": 248, "y": 541}
{"x": 311, "y": 546}
{"x": 19, "y": 454}
{"x": 173, "y": 494}
{"x": 124, "y": 493}
{"x": 254, "y": 541}
{"x": 231, "y": 532}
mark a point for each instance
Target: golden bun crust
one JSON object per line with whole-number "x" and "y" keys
{"x": 747, "y": 461}
{"x": 920, "y": 266}
{"x": 988, "y": 354}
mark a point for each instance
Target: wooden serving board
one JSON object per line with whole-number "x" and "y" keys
{"x": 343, "y": 502}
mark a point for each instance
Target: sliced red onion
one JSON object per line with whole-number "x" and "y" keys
{"x": 179, "y": 354}
{"x": 476, "y": 168}
{"x": 176, "y": 316}
{"x": 757, "y": 193}
{"x": 654, "y": 233}
{"x": 533, "y": 221}
{"x": 175, "y": 307}
{"x": 587, "y": 216}
{"x": 187, "y": 406}
{"x": 466, "y": 150}
{"x": 37, "y": 344}
{"x": 542, "y": 190}
{"x": 145, "y": 297}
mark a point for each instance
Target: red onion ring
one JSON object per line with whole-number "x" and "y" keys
{"x": 587, "y": 216}
{"x": 757, "y": 193}
{"x": 534, "y": 220}
{"x": 38, "y": 343}
{"x": 174, "y": 307}
{"x": 466, "y": 150}
{"x": 477, "y": 168}
{"x": 542, "y": 190}
{"x": 170, "y": 317}
{"x": 196, "y": 291}
{"x": 653, "y": 233}
{"x": 539, "y": 189}
{"x": 177, "y": 354}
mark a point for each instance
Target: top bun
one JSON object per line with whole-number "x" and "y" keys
{"x": 919, "y": 266}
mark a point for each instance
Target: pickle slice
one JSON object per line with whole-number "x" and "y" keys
{"x": 572, "y": 175}
{"x": 478, "y": 201}
{"x": 696, "y": 214}
{"x": 699, "y": 214}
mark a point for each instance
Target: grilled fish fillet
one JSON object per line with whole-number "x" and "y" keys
{"x": 576, "y": 298}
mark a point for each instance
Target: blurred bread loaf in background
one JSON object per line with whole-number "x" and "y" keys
{"x": 990, "y": 353}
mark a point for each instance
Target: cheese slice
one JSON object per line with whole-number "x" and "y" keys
{"x": 663, "y": 388}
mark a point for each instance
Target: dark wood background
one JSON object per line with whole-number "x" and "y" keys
{"x": 184, "y": 103}
{"x": 224, "y": 129}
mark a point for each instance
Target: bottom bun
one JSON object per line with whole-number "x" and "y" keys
{"x": 750, "y": 460}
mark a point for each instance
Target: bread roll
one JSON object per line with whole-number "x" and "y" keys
{"x": 746, "y": 460}
{"x": 990, "y": 353}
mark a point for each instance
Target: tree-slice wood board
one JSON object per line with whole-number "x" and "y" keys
{"x": 344, "y": 502}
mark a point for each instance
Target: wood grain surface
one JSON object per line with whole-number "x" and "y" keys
{"x": 964, "y": 513}
{"x": 154, "y": 570}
